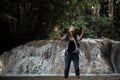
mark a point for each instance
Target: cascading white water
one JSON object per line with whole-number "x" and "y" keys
{"x": 95, "y": 64}
{"x": 47, "y": 57}
{"x": 115, "y": 57}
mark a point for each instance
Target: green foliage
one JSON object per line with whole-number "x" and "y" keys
{"x": 35, "y": 19}
{"x": 25, "y": 20}
{"x": 96, "y": 27}
{"x": 53, "y": 36}
{"x": 77, "y": 21}
{"x": 101, "y": 26}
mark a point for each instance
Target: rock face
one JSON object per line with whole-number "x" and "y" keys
{"x": 97, "y": 56}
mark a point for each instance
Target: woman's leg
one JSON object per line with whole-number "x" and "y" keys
{"x": 76, "y": 64}
{"x": 67, "y": 65}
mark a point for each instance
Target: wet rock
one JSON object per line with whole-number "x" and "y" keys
{"x": 97, "y": 56}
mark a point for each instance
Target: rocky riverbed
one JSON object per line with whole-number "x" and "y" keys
{"x": 61, "y": 78}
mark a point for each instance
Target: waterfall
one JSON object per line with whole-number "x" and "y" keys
{"x": 115, "y": 57}
{"x": 47, "y": 57}
{"x": 95, "y": 63}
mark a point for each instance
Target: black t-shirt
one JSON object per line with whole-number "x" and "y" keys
{"x": 71, "y": 46}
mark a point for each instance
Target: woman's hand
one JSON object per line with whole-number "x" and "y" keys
{"x": 83, "y": 29}
{"x": 57, "y": 32}
{"x": 56, "y": 29}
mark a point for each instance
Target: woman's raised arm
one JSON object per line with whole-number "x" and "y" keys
{"x": 83, "y": 31}
{"x": 57, "y": 33}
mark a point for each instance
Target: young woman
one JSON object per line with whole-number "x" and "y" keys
{"x": 71, "y": 49}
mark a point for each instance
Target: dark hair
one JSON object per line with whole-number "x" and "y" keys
{"x": 74, "y": 35}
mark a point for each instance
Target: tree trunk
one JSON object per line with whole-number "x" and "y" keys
{"x": 111, "y": 3}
